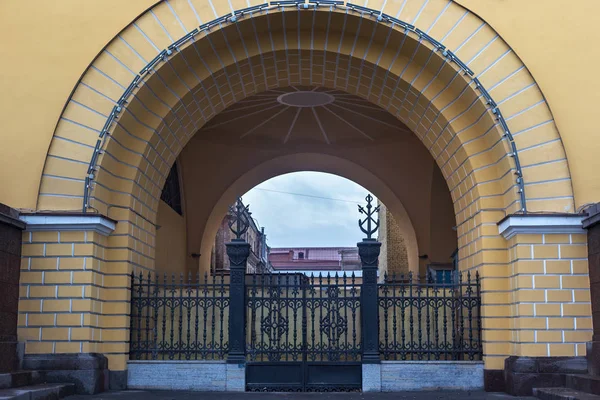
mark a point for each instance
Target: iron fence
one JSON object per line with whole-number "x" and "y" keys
{"x": 294, "y": 317}
{"x": 420, "y": 319}
{"x": 177, "y": 318}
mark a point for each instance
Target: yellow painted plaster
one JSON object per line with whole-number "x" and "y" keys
{"x": 47, "y": 45}
{"x": 40, "y": 75}
{"x": 553, "y": 39}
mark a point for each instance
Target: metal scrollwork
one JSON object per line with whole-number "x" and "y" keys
{"x": 292, "y": 318}
{"x": 241, "y": 218}
{"x": 425, "y": 320}
{"x": 372, "y": 224}
{"x": 274, "y": 325}
{"x": 177, "y": 318}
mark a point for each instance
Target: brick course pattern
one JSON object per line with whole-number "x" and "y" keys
{"x": 73, "y": 297}
{"x": 549, "y": 296}
{"x": 394, "y": 256}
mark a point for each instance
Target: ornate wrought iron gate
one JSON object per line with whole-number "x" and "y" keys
{"x": 303, "y": 333}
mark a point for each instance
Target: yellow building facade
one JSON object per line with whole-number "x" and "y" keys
{"x": 100, "y": 99}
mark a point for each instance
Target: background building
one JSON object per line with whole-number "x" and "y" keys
{"x": 314, "y": 260}
{"x": 440, "y": 264}
{"x": 258, "y": 261}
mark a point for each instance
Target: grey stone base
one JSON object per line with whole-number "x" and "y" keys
{"x": 593, "y": 358}
{"x": 117, "y": 380}
{"x": 236, "y": 378}
{"x": 522, "y": 374}
{"x": 9, "y": 359}
{"x": 399, "y": 376}
{"x": 87, "y": 371}
{"x": 371, "y": 377}
{"x": 493, "y": 380}
{"x": 205, "y": 376}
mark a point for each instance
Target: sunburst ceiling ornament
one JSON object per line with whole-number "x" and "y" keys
{"x": 304, "y": 116}
{"x": 304, "y": 98}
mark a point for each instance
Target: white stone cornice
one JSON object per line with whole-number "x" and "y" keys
{"x": 540, "y": 224}
{"x": 65, "y": 222}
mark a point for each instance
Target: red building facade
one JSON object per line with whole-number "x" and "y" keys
{"x": 308, "y": 259}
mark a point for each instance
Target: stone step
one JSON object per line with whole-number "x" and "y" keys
{"x": 563, "y": 394}
{"x": 18, "y": 379}
{"x": 48, "y": 391}
{"x": 585, "y": 383}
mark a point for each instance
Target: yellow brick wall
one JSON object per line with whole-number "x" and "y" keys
{"x": 535, "y": 291}
{"x": 394, "y": 255}
{"x": 550, "y": 295}
{"x": 74, "y": 295}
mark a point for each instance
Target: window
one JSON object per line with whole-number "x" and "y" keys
{"x": 171, "y": 193}
{"x": 441, "y": 273}
{"x": 301, "y": 255}
{"x": 443, "y": 276}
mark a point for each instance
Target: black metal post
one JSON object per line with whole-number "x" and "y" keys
{"x": 238, "y": 251}
{"x": 368, "y": 250}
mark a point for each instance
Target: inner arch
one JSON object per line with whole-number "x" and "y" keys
{"x": 295, "y": 163}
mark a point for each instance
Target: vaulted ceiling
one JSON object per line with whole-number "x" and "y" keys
{"x": 304, "y": 115}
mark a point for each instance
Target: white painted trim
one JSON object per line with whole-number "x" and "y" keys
{"x": 540, "y": 224}
{"x": 96, "y": 223}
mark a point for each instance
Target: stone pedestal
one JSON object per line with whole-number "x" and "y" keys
{"x": 592, "y": 224}
{"x": 522, "y": 374}
{"x": 10, "y": 263}
{"x": 87, "y": 371}
{"x": 371, "y": 378}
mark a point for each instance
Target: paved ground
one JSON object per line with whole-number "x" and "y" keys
{"x": 160, "y": 395}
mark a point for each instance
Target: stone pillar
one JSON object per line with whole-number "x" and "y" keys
{"x": 368, "y": 250}
{"x": 592, "y": 224}
{"x": 74, "y": 304}
{"x": 238, "y": 251}
{"x": 549, "y": 288}
{"x": 10, "y": 263}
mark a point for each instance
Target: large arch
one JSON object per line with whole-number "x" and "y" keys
{"x": 416, "y": 61}
{"x": 440, "y": 70}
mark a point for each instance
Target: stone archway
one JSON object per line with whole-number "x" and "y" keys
{"x": 313, "y": 162}
{"x": 437, "y": 68}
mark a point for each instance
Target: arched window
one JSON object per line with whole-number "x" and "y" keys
{"x": 171, "y": 193}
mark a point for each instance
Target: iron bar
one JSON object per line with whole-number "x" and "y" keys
{"x": 452, "y": 312}
{"x": 163, "y": 312}
{"x": 196, "y": 317}
{"x": 147, "y": 327}
{"x": 303, "y": 321}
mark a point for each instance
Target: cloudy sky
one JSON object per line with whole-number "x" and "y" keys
{"x": 316, "y": 209}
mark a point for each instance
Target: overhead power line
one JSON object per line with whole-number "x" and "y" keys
{"x": 307, "y": 195}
